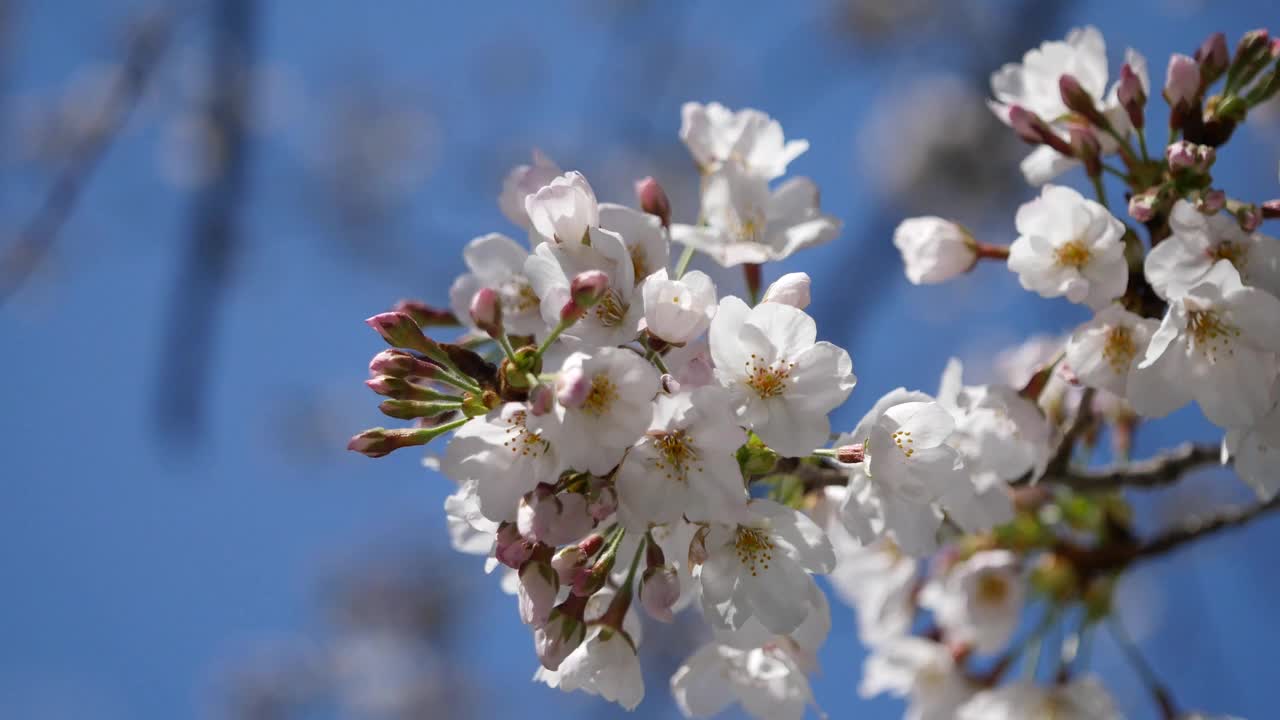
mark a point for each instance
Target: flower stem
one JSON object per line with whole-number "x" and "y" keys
{"x": 683, "y": 264}
{"x": 1100, "y": 190}
{"x": 1158, "y": 691}
{"x": 563, "y": 325}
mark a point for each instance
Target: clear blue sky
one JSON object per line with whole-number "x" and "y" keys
{"x": 137, "y": 567}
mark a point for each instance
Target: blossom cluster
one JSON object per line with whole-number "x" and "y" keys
{"x": 629, "y": 439}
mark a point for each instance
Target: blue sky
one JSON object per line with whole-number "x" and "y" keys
{"x": 139, "y": 566}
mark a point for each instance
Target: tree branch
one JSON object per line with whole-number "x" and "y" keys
{"x": 1198, "y": 529}
{"x": 1159, "y": 471}
{"x": 35, "y": 239}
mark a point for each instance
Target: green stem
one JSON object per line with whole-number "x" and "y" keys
{"x": 1035, "y": 644}
{"x": 555, "y": 333}
{"x": 683, "y": 264}
{"x": 504, "y": 342}
{"x": 656, "y": 359}
{"x": 1142, "y": 144}
{"x": 1100, "y": 190}
{"x": 1117, "y": 172}
{"x": 1130, "y": 649}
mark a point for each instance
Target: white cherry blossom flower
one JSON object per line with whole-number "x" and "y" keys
{"x": 1217, "y": 345}
{"x": 1083, "y": 698}
{"x": 790, "y": 289}
{"x": 496, "y": 261}
{"x": 1104, "y": 351}
{"x": 1182, "y": 260}
{"x": 691, "y": 366}
{"x": 920, "y": 670}
{"x": 1033, "y": 85}
{"x": 684, "y": 466}
{"x": 506, "y": 452}
{"x": 716, "y": 135}
{"x": 523, "y": 181}
{"x": 643, "y": 236}
{"x": 979, "y": 601}
{"x": 802, "y": 644}
{"x": 605, "y": 664}
{"x": 998, "y": 432}
{"x": 934, "y": 250}
{"x": 1255, "y": 452}
{"x": 470, "y": 532}
{"x": 766, "y": 681}
{"x": 783, "y": 383}
{"x": 746, "y": 222}
{"x": 1068, "y": 245}
{"x": 563, "y": 210}
{"x": 758, "y": 568}
{"x": 615, "y": 319}
{"x": 678, "y": 311}
{"x": 615, "y": 413}
{"x": 909, "y": 468}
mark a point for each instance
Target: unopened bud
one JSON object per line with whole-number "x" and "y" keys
{"x": 1055, "y": 576}
{"x": 1184, "y": 155}
{"x": 486, "y": 311}
{"x": 377, "y": 442}
{"x": 653, "y": 199}
{"x": 399, "y": 330}
{"x": 402, "y": 389}
{"x": 670, "y": 385}
{"x": 1250, "y": 217}
{"x": 541, "y": 400}
{"x": 1086, "y": 148}
{"x": 1078, "y": 100}
{"x": 393, "y": 363}
{"x": 572, "y": 560}
{"x": 1213, "y": 57}
{"x": 790, "y": 289}
{"x": 511, "y": 548}
{"x": 1132, "y": 96}
{"x": 426, "y": 315}
{"x": 851, "y": 454}
{"x": 562, "y": 634}
{"x": 1182, "y": 82}
{"x": 1145, "y": 205}
{"x": 588, "y": 288}
{"x": 588, "y": 583}
{"x": 551, "y": 518}
{"x": 659, "y": 592}
{"x": 602, "y": 500}
{"x": 1271, "y": 209}
{"x": 411, "y": 409}
{"x": 1034, "y": 130}
{"x": 1211, "y": 202}
{"x": 572, "y": 387}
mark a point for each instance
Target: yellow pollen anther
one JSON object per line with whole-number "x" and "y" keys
{"x": 520, "y": 441}
{"x": 768, "y": 380}
{"x": 677, "y": 455}
{"x": 754, "y": 549}
{"x": 1210, "y": 335}
{"x": 610, "y": 310}
{"x": 1073, "y": 254}
{"x": 992, "y": 589}
{"x": 1119, "y": 348}
{"x": 600, "y": 398}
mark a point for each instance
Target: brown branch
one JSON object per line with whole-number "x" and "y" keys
{"x": 1159, "y": 471}
{"x": 1198, "y": 529}
{"x": 35, "y": 240}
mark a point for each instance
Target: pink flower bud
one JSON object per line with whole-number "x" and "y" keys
{"x": 653, "y": 199}
{"x": 1086, "y": 148}
{"x": 1250, "y": 217}
{"x": 1213, "y": 57}
{"x": 660, "y": 591}
{"x": 486, "y": 311}
{"x": 541, "y": 400}
{"x": 395, "y": 363}
{"x": 1145, "y": 205}
{"x": 669, "y": 384}
{"x": 1211, "y": 202}
{"x": 399, "y": 330}
{"x": 603, "y": 501}
{"x": 851, "y": 454}
{"x": 512, "y": 549}
{"x": 1184, "y": 155}
{"x": 790, "y": 289}
{"x": 538, "y": 588}
{"x": 426, "y": 315}
{"x": 588, "y": 288}
{"x": 1131, "y": 96}
{"x": 1182, "y": 82}
{"x": 377, "y": 442}
{"x": 572, "y": 387}
{"x": 1034, "y": 130}
{"x": 553, "y": 519}
{"x": 1271, "y": 209}
{"x": 1078, "y": 100}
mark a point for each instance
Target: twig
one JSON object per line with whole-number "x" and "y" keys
{"x": 1174, "y": 539}
{"x": 37, "y": 237}
{"x": 1159, "y": 691}
{"x": 1159, "y": 471}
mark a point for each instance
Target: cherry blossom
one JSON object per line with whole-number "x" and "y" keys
{"x": 497, "y": 262}
{"x": 934, "y": 250}
{"x": 1104, "y": 351}
{"x": 1198, "y": 241}
{"x": 716, "y": 135}
{"x": 1070, "y": 246}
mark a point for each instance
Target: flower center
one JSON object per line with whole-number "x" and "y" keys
{"x": 1210, "y": 334}
{"x": 517, "y": 296}
{"x": 677, "y": 455}
{"x": 1233, "y": 252}
{"x": 1073, "y": 255}
{"x": 600, "y": 398}
{"x": 610, "y": 311}
{"x": 520, "y": 441}
{"x": 992, "y": 590}
{"x": 904, "y": 441}
{"x": 754, "y": 549}
{"x": 1119, "y": 348}
{"x": 768, "y": 380}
